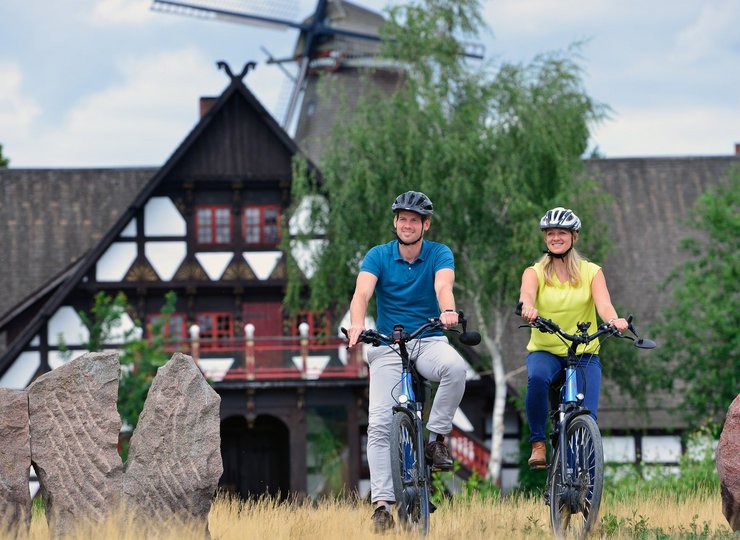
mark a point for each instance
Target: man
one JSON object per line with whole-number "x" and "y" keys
{"x": 412, "y": 280}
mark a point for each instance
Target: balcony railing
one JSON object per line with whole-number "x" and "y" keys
{"x": 471, "y": 453}
{"x": 273, "y": 358}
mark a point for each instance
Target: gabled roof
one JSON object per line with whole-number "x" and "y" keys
{"x": 49, "y": 219}
{"x": 231, "y": 101}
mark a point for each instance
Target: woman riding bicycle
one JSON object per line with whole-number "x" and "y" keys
{"x": 568, "y": 289}
{"x": 412, "y": 280}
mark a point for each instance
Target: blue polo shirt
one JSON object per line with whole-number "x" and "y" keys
{"x": 405, "y": 292}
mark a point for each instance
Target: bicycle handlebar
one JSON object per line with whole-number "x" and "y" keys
{"x": 551, "y": 327}
{"x": 375, "y": 338}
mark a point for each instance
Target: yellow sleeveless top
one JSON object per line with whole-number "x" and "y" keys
{"x": 565, "y": 305}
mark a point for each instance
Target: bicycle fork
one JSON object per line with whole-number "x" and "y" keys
{"x": 567, "y": 410}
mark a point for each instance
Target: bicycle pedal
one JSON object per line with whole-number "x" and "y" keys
{"x": 432, "y": 507}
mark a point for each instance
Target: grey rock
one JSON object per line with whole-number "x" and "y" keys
{"x": 174, "y": 461}
{"x": 74, "y": 441}
{"x": 728, "y": 465}
{"x": 15, "y": 460}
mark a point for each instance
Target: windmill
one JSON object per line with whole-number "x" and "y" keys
{"x": 339, "y": 37}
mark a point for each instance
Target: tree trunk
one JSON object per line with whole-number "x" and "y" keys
{"x": 492, "y": 339}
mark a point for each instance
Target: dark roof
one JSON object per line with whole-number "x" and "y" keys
{"x": 49, "y": 218}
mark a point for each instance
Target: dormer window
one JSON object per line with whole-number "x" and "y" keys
{"x": 261, "y": 224}
{"x": 213, "y": 224}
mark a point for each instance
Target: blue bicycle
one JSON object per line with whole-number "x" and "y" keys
{"x": 575, "y": 476}
{"x": 409, "y": 469}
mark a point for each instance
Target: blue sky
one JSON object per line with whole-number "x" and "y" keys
{"x": 89, "y": 83}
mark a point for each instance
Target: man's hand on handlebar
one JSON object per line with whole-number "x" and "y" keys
{"x": 620, "y": 324}
{"x": 449, "y": 318}
{"x": 353, "y": 333}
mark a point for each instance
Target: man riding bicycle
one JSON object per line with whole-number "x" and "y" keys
{"x": 412, "y": 280}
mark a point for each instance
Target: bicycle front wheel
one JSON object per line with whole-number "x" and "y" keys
{"x": 410, "y": 484}
{"x": 575, "y": 497}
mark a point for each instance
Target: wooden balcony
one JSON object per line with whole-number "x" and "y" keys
{"x": 274, "y": 358}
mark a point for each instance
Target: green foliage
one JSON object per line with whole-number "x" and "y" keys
{"x": 492, "y": 147}
{"x": 4, "y": 162}
{"x": 140, "y": 360}
{"x": 104, "y": 319}
{"x": 697, "y": 475}
{"x": 699, "y": 339}
{"x": 531, "y": 482}
{"x": 638, "y": 526}
{"x": 474, "y": 487}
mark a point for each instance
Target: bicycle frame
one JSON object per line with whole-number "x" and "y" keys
{"x": 409, "y": 405}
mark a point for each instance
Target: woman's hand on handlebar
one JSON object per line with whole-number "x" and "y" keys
{"x": 529, "y": 313}
{"x": 620, "y": 324}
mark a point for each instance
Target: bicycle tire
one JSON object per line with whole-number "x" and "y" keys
{"x": 412, "y": 494}
{"x": 585, "y": 471}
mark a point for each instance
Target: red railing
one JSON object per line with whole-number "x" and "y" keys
{"x": 471, "y": 453}
{"x": 274, "y": 358}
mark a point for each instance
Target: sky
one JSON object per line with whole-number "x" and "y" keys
{"x": 110, "y": 83}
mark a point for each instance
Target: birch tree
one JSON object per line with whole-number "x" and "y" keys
{"x": 493, "y": 146}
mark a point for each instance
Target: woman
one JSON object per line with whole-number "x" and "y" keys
{"x": 568, "y": 289}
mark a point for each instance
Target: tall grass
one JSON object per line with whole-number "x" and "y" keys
{"x": 509, "y": 517}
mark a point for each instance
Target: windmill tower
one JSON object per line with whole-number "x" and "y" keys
{"x": 343, "y": 68}
{"x": 339, "y": 39}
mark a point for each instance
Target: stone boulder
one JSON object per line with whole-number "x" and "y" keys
{"x": 174, "y": 461}
{"x": 15, "y": 460}
{"x": 728, "y": 465}
{"x": 74, "y": 427}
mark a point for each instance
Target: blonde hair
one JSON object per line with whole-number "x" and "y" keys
{"x": 572, "y": 265}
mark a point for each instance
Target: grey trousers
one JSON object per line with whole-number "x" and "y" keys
{"x": 437, "y": 361}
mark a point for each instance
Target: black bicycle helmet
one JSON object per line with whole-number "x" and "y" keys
{"x": 413, "y": 201}
{"x": 560, "y": 218}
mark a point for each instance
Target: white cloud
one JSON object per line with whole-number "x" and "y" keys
{"x": 714, "y": 31}
{"x": 663, "y": 131}
{"x": 17, "y": 111}
{"x": 142, "y": 116}
{"x": 120, "y": 11}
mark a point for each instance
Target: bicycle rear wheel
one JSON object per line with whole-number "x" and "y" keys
{"x": 409, "y": 483}
{"x": 575, "y": 499}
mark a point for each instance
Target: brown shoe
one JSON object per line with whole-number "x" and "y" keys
{"x": 438, "y": 455}
{"x": 382, "y": 520}
{"x": 538, "y": 459}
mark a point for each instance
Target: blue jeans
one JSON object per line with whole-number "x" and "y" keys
{"x": 543, "y": 368}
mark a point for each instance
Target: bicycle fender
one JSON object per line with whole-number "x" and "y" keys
{"x": 571, "y": 415}
{"x": 404, "y": 410}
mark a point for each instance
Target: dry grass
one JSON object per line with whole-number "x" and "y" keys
{"x": 508, "y": 518}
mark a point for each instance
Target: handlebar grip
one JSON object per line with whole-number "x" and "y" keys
{"x": 344, "y": 331}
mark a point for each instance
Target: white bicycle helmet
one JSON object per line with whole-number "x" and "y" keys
{"x": 560, "y": 218}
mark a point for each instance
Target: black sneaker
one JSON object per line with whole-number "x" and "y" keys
{"x": 438, "y": 455}
{"x": 382, "y": 520}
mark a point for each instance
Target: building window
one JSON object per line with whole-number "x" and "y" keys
{"x": 261, "y": 224}
{"x": 213, "y": 224}
{"x": 216, "y": 329}
{"x": 318, "y": 323}
{"x": 173, "y": 331}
